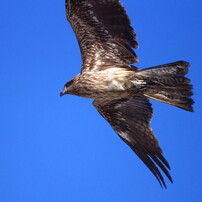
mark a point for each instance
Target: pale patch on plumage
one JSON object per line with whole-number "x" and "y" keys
{"x": 117, "y": 85}
{"x": 124, "y": 136}
{"x": 139, "y": 82}
{"x": 95, "y": 19}
{"x": 116, "y": 71}
{"x": 118, "y": 106}
{"x": 90, "y": 5}
{"x": 120, "y": 116}
{"x": 113, "y": 78}
{"x": 159, "y": 97}
{"x": 99, "y": 62}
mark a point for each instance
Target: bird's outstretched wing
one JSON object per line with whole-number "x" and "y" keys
{"x": 130, "y": 118}
{"x": 103, "y": 31}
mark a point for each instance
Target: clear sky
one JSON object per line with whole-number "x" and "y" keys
{"x": 60, "y": 149}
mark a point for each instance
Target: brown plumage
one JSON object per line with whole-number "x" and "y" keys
{"x": 120, "y": 90}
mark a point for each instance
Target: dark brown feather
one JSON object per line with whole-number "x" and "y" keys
{"x": 103, "y": 31}
{"x": 130, "y": 118}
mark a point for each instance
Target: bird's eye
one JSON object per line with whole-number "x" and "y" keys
{"x": 69, "y": 83}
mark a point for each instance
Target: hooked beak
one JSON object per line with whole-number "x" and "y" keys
{"x": 61, "y": 94}
{"x": 63, "y": 91}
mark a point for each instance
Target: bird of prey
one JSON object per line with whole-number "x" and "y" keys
{"x": 119, "y": 89}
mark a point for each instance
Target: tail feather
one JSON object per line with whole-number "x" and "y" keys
{"x": 167, "y": 84}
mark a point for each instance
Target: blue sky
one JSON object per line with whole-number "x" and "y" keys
{"x": 61, "y": 149}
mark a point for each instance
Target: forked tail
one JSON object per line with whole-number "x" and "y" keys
{"x": 167, "y": 84}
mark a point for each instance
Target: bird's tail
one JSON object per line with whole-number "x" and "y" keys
{"x": 167, "y": 84}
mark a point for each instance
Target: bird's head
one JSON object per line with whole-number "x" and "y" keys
{"x": 67, "y": 88}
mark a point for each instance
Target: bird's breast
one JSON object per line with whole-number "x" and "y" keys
{"x": 111, "y": 83}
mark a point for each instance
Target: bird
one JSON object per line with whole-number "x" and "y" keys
{"x": 120, "y": 90}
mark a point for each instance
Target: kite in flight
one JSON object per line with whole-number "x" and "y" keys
{"x": 119, "y": 89}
